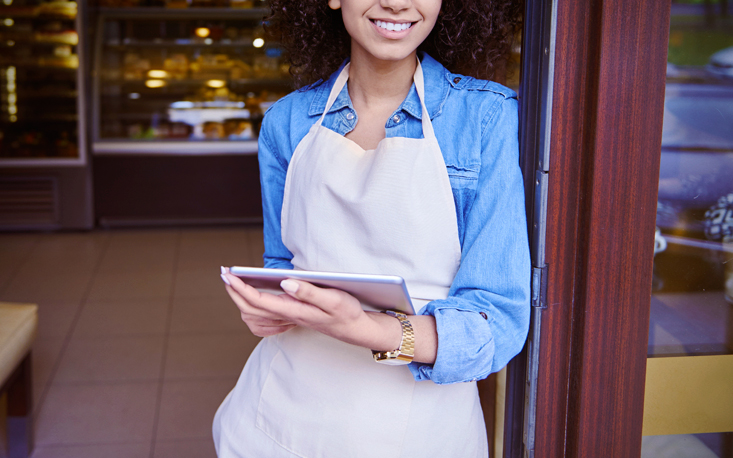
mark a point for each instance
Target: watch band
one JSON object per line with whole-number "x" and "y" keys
{"x": 406, "y": 352}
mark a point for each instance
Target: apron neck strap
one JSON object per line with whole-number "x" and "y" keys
{"x": 338, "y": 85}
{"x": 427, "y": 125}
{"x": 336, "y": 90}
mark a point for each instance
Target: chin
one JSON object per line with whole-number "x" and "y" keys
{"x": 393, "y": 55}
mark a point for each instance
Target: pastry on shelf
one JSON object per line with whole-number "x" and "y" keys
{"x": 58, "y": 8}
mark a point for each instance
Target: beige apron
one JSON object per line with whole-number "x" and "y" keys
{"x": 389, "y": 211}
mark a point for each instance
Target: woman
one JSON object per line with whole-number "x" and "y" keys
{"x": 392, "y": 165}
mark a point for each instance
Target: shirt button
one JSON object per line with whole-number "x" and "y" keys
{"x": 349, "y": 116}
{"x": 484, "y": 315}
{"x": 456, "y": 80}
{"x": 396, "y": 118}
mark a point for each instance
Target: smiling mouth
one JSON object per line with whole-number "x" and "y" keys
{"x": 393, "y": 26}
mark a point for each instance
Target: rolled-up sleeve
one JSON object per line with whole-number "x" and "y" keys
{"x": 485, "y": 319}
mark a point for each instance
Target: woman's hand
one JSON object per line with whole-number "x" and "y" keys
{"x": 260, "y": 322}
{"x": 329, "y": 311}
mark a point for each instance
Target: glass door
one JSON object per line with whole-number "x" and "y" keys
{"x": 689, "y": 388}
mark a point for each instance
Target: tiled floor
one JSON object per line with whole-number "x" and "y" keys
{"x": 138, "y": 342}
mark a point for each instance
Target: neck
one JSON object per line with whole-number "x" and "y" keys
{"x": 380, "y": 82}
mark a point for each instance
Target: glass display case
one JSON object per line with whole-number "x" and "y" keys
{"x": 183, "y": 77}
{"x": 41, "y": 84}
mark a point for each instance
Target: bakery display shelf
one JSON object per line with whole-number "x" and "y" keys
{"x": 280, "y": 83}
{"x": 20, "y": 41}
{"x": 178, "y": 44}
{"x": 31, "y": 12}
{"x": 47, "y": 93}
{"x": 181, "y": 13}
{"x": 10, "y": 43}
{"x": 40, "y": 118}
{"x": 174, "y": 147}
{"x": 40, "y": 63}
{"x": 164, "y": 87}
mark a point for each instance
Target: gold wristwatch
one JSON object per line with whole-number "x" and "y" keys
{"x": 406, "y": 352}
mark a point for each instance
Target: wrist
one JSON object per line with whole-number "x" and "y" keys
{"x": 385, "y": 332}
{"x": 405, "y": 352}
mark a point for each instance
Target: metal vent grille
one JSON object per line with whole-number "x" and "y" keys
{"x": 28, "y": 201}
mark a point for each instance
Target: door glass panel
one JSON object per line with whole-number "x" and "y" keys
{"x": 691, "y": 325}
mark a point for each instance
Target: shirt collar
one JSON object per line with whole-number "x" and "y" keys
{"x": 433, "y": 74}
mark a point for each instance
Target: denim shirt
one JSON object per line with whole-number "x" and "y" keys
{"x": 484, "y": 321}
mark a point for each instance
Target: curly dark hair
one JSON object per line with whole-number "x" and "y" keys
{"x": 473, "y": 37}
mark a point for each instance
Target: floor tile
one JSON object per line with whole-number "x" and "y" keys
{"x": 142, "y": 239}
{"x": 209, "y": 249}
{"x": 199, "y": 283}
{"x": 10, "y": 242}
{"x": 206, "y": 314}
{"x": 111, "y": 359}
{"x": 14, "y": 251}
{"x": 122, "y": 317}
{"x": 45, "y": 354}
{"x": 97, "y": 414}
{"x": 203, "y": 448}
{"x": 68, "y": 253}
{"x": 187, "y": 408}
{"x": 131, "y": 285}
{"x": 208, "y": 355}
{"x": 132, "y": 259}
{"x": 139, "y": 450}
{"x": 47, "y": 266}
{"x": 32, "y": 287}
{"x": 114, "y": 288}
{"x": 55, "y": 318}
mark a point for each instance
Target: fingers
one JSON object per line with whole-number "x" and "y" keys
{"x": 260, "y": 321}
{"x": 326, "y": 310}
{"x": 246, "y": 303}
{"x": 266, "y": 331}
{"x": 327, "y": 299}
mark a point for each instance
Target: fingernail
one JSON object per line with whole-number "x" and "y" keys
{"x": 224, "y": 270}
{"x": 226, "y": 280}
{"x": 289, "y": 286}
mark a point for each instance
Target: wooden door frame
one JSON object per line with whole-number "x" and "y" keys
{"x": 605, "y": 142}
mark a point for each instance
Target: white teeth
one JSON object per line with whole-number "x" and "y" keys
{"x": 392, "y": 26}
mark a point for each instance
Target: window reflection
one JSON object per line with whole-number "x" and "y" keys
{"x": 692, "y": 300}
{"x": 693, "y": 269}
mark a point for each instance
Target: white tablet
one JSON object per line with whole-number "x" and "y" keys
{"x": 376, "y": 292}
